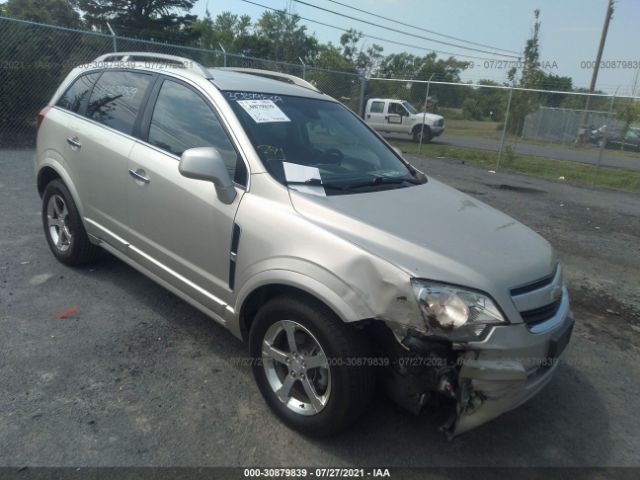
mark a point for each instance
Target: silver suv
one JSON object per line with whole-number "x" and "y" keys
{"x": 280, "y": 214}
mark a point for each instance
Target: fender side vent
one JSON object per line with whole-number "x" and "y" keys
{"x": 235, "y": 242}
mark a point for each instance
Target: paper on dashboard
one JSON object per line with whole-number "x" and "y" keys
{"x": 297, "y": 175}
{"x": 263, "y": 111}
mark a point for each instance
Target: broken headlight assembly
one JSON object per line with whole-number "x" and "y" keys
{"x": 455, "y": 312}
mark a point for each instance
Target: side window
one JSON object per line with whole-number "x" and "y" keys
{"x": 77, "y": 93}
{"x": 397, "y": 109}
{"x": 116, "y": 99}
{"x": 377, "y": 107}
{"x": 182, "y": 119}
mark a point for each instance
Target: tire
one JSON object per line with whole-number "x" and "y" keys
{"x": 427, "y": 134}
{"x": 345, "y": 385}
{"x": 63, "y": 226}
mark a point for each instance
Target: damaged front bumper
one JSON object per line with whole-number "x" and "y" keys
{"x": 486, "y": 378}
{"x": 516, "y": 365}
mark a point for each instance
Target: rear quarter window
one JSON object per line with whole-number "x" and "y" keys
{"x": 377, "y": 107}
{"x": 75, "y": 96}
{"x": 117, "y": 98}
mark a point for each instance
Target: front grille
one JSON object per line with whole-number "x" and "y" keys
{"x": 541, "y": 314}
{"x": 530, "y": 287}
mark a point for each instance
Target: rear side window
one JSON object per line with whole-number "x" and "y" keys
{"x": 377, "y": 107}
{"x": 77, "y": 93}
{"x": 182, "y": 119}
{"x": 116, "y": 99}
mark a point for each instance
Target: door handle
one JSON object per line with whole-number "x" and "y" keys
{"x": 139, "y": 175}
{"x": 368, "y": 116}
{"x": 74, "y": 142}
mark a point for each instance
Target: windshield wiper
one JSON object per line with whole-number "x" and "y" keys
{"x": 316, "y": 182}
{"x": 376, "y": 180}
{"x": 379, "y": 180}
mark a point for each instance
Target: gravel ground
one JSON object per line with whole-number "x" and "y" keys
{"x": 137, "y": 377}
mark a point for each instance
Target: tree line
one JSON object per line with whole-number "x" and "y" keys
{"x": 278, "y": 36}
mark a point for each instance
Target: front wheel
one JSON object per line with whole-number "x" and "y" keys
{"x": 426, "y": 134}
{"x": 309, "y": 366}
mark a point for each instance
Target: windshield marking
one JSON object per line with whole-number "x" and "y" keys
{"x": 235, "y": 96}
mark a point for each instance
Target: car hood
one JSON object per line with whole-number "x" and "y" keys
{"x": 435, "y": 232}
{"x": 430, "y": 117}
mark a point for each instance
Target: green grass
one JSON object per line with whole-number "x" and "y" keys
{"x": 573, "y": 172}
{"x": 473, "y": 128}
{"x": 493, "y": 131}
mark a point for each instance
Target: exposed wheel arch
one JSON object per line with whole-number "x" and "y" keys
{"x": 261, "y": 295}
{"x": 45, "y": 176}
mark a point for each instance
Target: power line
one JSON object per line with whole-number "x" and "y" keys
{"x": 380, "y": 39}
{"x": 422, "y": 29}
{"x": 405, "y": 33}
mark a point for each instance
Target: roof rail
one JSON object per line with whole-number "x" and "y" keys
{"x": 284, "y": 77}
{"x": 182, "y": 62}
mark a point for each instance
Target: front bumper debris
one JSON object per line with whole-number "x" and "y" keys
{"x": 491, "y": 382}
{"x": 480, "y": 380}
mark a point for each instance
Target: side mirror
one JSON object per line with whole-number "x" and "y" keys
{"x": 206, "y": 163}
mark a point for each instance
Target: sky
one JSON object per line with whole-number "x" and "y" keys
{"x": 569, "y": 33}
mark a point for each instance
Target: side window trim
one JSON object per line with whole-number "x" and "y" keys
{"x": 147, "y": 113}
{"x": 138, "y": 125}
{"x": 85, "y": 102}
{"x": 145, "y": 124}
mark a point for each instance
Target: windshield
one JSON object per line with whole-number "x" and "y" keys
{"x": 411, "y": 108}
{"x": 326, "y": 143}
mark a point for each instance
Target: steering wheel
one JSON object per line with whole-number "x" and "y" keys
{"x": 332, "y": 156}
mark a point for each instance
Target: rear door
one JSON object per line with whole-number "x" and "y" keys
{"x": 56, "y": 138}
{"x": 100, "y": 144}
{"x": 179, "y": 228}
{"x": 375, "y": 115}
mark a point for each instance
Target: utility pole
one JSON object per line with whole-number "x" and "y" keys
{"x": 113, "y": 38}
{"x": 224, "y": 55}
{"x": 634, "y": 89}
{"x": 596, "y": 67}
{"x": 424, "y": 114}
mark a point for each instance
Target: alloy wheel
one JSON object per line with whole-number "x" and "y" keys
{"x": 58, "y": 223}
{"x": 296, "y": 367}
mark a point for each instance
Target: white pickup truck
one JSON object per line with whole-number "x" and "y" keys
{"x": 399, "y": 116}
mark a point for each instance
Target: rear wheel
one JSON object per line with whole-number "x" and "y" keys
{"x": 63, "y": 227}
{"x": 309, "y": 366}
{"x": 426, "y": 134}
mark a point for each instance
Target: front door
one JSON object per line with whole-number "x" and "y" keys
{"x": 396, "y": 117}
{"x": 179, "y": 229}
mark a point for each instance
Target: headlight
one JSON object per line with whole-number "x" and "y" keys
{"x": 454, "y": 312}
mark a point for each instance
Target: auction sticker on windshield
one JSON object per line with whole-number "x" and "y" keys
{"x": 263, "y": 111}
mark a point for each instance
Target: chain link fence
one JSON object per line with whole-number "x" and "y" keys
{"x": 493, "y": 122}
{"x": 520, "y": 129}
{"x": 563, "y": 125}
{"x": 35, "y": 58}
